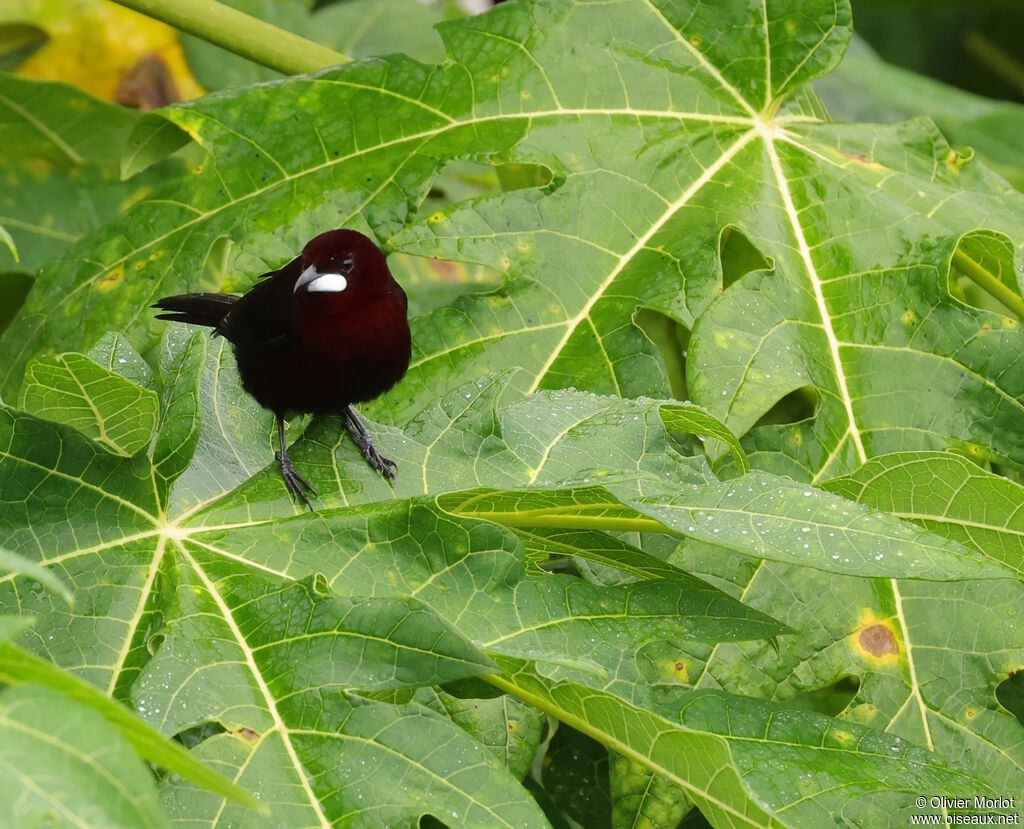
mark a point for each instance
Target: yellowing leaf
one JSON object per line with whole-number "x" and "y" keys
{"x": 96, "y": 44}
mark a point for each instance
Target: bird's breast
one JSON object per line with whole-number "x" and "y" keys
{"x": 352, "y": 357}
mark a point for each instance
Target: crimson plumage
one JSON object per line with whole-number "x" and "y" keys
{"x": 327, "y": 330}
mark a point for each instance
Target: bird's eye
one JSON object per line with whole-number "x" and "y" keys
{"x": 347, "y": 263}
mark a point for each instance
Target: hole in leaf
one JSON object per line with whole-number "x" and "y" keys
{"x": 17, "y": 43}
{"x": 800, "y": 404}
{"x": 671, "y": 339}
{"x": 1010, "y": 693}
{"x": 982, "y": 274}
{"x": 831, "y": 700}
{"x": 525, "y": 176}
{"x": 574, "y": 773}
{"x": 460, "y": 180}
{"x": 433, "y": 283}
{"x": 14, "y": 287}
{"x": 430, "y": 822}
{"x": 695, "y": 820}
{"x": 191, "y": 737}
{"x": 154, "y": 642}
{"x": 471, "y": 688}
{"x": 739, "y": 256}
{"x": 216, "y": 270}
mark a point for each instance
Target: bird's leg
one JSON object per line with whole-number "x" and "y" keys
{"x": 362, "y": 438}
{"x": 292, "y": 479}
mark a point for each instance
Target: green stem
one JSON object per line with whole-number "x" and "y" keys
{"x": 998, "y": 61}
{"x": 989, "y": 283}
{"x": 578, "y": 522}
{"x": 240, "y": 33}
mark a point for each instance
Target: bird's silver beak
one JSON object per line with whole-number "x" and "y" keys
{"x": 305, "y": 278}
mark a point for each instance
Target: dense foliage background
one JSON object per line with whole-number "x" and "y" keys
{"x": 709, "y": 504}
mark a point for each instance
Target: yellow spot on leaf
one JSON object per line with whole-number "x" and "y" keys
{"x": 875, "y": 640}
{"x": 956, "y": 161}
{"x": 109, "y": 280}
{"x": 867, "y": 161}
{"x": 95, "y": 45}
{"x": 863, "y": 713}
{"x": 806, "y": 786}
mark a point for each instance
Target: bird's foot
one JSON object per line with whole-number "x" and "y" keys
{"x": 362, "y": 438}
{"x": 293, "y": 480}
{"x": 385, "y": 466}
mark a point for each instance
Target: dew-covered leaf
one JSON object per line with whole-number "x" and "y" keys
{"x": 649, "y": 161}
{"x": 656, "y": 159}
{"x": 112, "y": 410}
{"x": 62, "y": 763}
{"x": 747, "y": 762}
{"x": 948, "y": 494}
{"x": 14, "y": 563}
{"x": 19, "y": 667}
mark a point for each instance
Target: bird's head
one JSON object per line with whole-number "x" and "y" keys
{"x": 341, "y": 261}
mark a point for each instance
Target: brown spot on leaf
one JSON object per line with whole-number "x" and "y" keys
{"x": 444, "y": 269}
{"x": 860, "y": 158}
{"x": 148, "y": 85}
{"x": 109, "y": 280}
{"x": 878, "y": 640}
{"x": 248, "y": 734}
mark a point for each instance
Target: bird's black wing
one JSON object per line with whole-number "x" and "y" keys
{"x": 263, "y": 318}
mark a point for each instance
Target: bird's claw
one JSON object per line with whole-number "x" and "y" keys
{"x": 294, "y": 481}
{"x": 362, "y": 438}
{"x": 385, "y": 466}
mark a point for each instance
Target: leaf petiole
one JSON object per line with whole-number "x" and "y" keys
{"x": 989, "y": 283}
{"x": 241, "y": 33}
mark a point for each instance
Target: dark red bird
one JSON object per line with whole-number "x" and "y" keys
{"x": 327, "y": 330}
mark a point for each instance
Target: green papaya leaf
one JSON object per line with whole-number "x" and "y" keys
{"x": 61, "y": 168}
{"x": 64, "y": 765}
{"x": 13, "y": 563}
{"x": 658, "y": 158}
{"x": 226, "y": 603}
{"x": 72, "y": 389}
{"x": 866, "y": 88}
{"x": 948, "y": 494}
{"x": 907, "y": 645}
{"x": 731, "y": 754}
{"x": 19, "y": 667}
{"x": 5, "y": 237}
{"x": 714, "y": 133}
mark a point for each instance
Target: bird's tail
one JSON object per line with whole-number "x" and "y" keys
{"x": 197, "y": 309}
